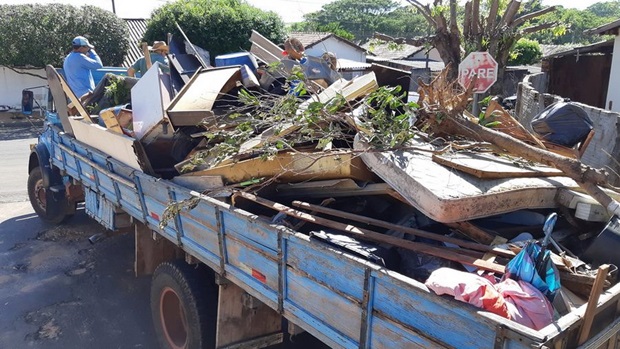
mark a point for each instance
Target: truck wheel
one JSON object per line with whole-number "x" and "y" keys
{"x": 37, "y": 193}
{"x": 184, "y": 306}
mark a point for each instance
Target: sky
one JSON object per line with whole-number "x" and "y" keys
{"x": 289, "y": 10}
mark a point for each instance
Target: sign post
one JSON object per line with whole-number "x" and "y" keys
{"x": 480, "y": 65}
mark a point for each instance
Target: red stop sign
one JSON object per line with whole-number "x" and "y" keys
{"x": 481, "y": 64}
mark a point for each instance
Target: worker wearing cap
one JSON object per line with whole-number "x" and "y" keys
{"x": 79, "y": 64}
{"x": 158, "y": 54}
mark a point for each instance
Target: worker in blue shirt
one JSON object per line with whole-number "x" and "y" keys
{"x": 78, "y": 66}
{"x": 159, "y": 51}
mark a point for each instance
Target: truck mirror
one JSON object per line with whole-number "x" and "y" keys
{"x": 27, "y": 102}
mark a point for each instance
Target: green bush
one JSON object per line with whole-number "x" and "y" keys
{"x": 37, "y": 35}
{"x": 219, "y": 26}
{"x": 525, "y": 52}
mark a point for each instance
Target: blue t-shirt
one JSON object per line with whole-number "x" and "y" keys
{"x": 77, "y": 68}
{"x": 140, "y": 64}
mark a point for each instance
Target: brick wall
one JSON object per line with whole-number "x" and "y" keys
{"x": 604, "y": 149}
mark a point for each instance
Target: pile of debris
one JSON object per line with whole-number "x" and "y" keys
{"x": 466, "y": 204}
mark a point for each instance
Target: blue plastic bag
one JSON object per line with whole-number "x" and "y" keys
{"x": 535, "y": 266}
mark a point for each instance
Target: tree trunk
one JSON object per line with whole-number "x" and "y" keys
{"x": 588, "y": 178}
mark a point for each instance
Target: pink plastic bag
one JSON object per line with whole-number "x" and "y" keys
{"x": 515, "y": 300}
{"x": 526, "y": 304}
{"x": 468, "y": 288}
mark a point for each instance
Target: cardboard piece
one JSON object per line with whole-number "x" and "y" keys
{"x": 110, "y": 121}
{"x": 195, "y": 101}
{"x": 120, "y": 147}
{"x": 149, "y": 99}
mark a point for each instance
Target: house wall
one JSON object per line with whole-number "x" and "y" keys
{"x": 339, "y": 48}
{"x": 605, "y": 145}
{"x": 13, "y": 81}
{"x": 582, "y": 78}
{"x": 613, "y": 92}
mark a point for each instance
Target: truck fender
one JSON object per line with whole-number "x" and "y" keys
{"x": 40, "y": 157}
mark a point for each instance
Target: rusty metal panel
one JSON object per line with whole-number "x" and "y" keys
{"x": 582, "y": 79}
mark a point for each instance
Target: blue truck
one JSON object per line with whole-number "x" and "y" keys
{"x": 224, "y": 277}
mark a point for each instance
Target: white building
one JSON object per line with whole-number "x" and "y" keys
{"x": 351, "y": 57}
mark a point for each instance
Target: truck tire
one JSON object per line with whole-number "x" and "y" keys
{"x": 38, "y": 199}
{"x": 184, "y": 306}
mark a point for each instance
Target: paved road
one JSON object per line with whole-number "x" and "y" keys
{"x": 56, "y": 289}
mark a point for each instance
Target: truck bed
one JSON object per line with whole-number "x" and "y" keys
{"x": 344, "y": 301}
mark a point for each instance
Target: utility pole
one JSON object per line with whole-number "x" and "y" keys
{"x": 113, "y": 7}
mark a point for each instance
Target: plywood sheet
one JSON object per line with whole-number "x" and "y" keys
{"x": 448, "y": 196}
{"x": 118, "y": 146}
{"x": 195, "y": 101}
{"x": 488, "y": 166}
{"x": 294, "y": 167}
{"x": 149, "y": 98}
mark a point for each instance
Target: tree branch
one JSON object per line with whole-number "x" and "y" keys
{"x": 517, "y": 22}
{"x": 454, "y": 28}
{"x": 538, "y": 27}
{"x": 492, "y": 18}
{"x": 425, "y": 10}
{"x": 467, "y": 20}
{"x": 511, "y": 12}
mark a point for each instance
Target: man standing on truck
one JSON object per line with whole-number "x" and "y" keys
{"x": 158, "y": 54}
{"x": 78, "y": 66}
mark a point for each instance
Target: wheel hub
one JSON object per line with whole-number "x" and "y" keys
{"x": 40, "y": 195}
{"x": 173, "y": 319}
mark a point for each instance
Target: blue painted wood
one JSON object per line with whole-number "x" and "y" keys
{"x": 246, "y": 224}
{"x": 322, "y": 289}
{"x": 200, "y": 234}
{"x": 252, "y": 261}
{"x": 429, "y": 314}
{"x": 327, "y": 268}
{"x": 388, "y": 334}
{"x": 338, "y": 312}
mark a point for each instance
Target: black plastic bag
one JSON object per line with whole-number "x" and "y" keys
{"x": 563, "y": 123}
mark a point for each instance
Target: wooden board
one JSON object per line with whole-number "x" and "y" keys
{"x": 118, "y": 146}
{"x": 60, "y": 98}
{"x": 264, "y": 49}
{"x": 509, "y": 125}
{"x": 241, "y": 317}
{"x": 57, "y": 79}
{"x": 109, "y": 119}
{"x": 294, "y": 167}
{"x": 488, "y": 166}
{"x": 151, "y": 253}
{"x": 149, "y": 98}
{"x": 269, "y": 135}
{"x": 196, "y": 99}
{"x": 449, "y": 196}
